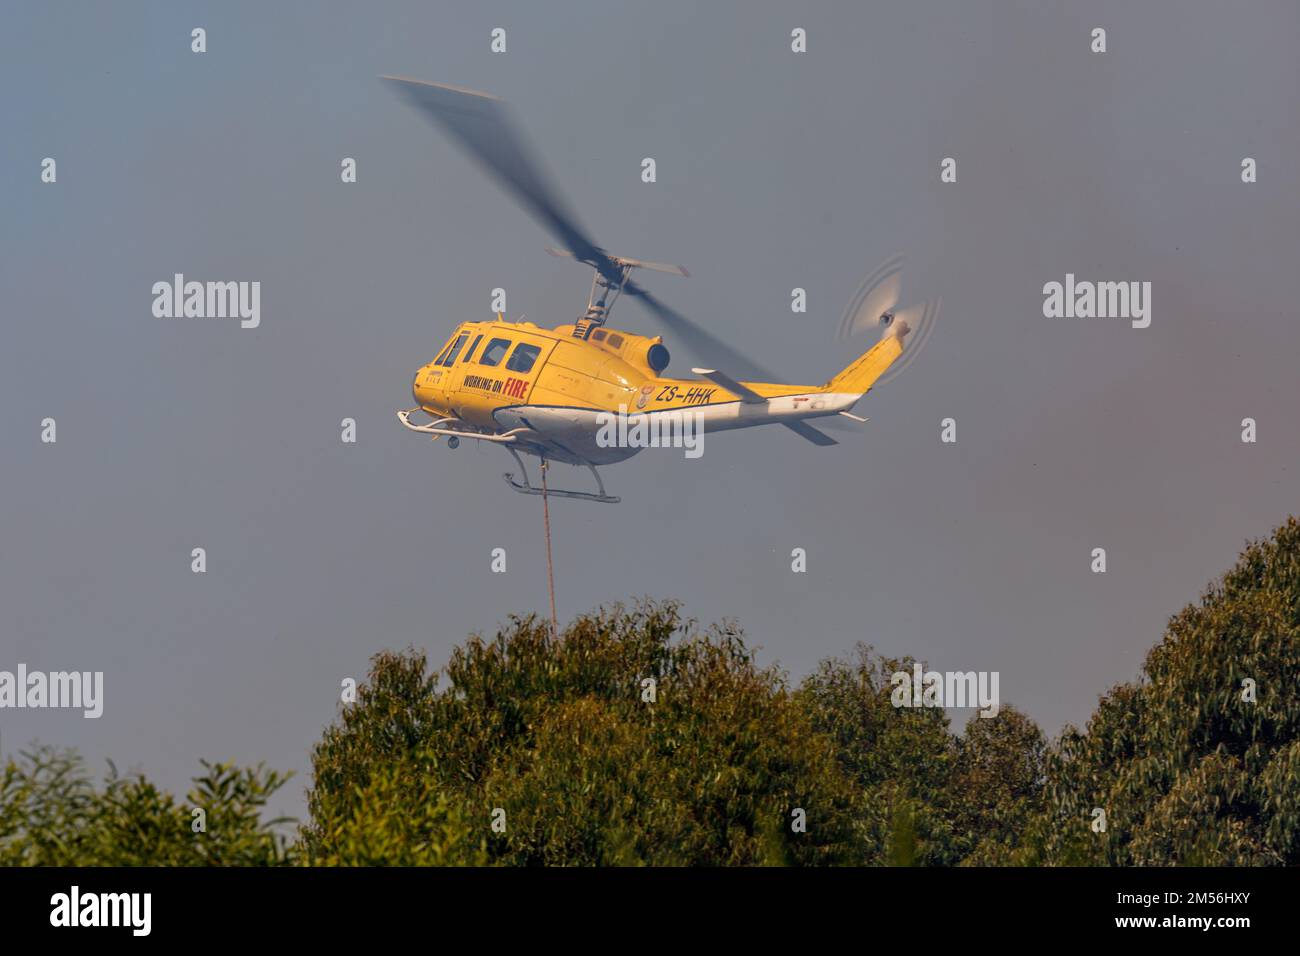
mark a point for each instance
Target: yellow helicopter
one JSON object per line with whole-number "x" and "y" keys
{"x": 547, "y": 391}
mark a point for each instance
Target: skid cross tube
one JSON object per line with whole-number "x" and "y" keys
{"x": 526, "y": 488}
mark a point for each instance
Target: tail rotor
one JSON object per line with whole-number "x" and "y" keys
{"x": 874, "y": 310}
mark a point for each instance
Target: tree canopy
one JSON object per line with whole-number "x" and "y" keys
{"x": 1197, "y": 762}
{"x": 52, "y": 813}
{"x": 639, "y": 738}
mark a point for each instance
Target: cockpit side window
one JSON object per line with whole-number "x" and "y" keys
{"x": 523, "y": 357}
{"x": 455, "y": 349}
{"x": 445, "y": 349}
{"x": 472, "y": 346}
{"x": 494, "y": 352}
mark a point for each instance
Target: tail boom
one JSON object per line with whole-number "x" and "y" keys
{"x": 860, "y": 375}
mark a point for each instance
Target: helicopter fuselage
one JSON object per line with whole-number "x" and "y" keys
{"x": 502, "y": 376}
{"x": 551, "y": 392}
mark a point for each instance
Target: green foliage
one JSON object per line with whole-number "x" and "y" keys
{"x": 999, "y": 785}
{"x": 52, "y": 814}
{"x": 396, "y": 818}
{"x": 925, "y": 797}
{"x": 1188, "y": 771}
{"x": 899, "y": 759}
{"x": 557, "y": 734}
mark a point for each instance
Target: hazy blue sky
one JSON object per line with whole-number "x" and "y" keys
{"x": 775, "y": 170}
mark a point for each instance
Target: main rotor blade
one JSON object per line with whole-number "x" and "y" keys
{"x": 706, "y": 346}
{"x": 481, "y": 125}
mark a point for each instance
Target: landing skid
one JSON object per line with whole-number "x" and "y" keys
{"x": 528, "y": 489}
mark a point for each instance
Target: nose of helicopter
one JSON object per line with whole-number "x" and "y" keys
{"x": 423, "y": 388}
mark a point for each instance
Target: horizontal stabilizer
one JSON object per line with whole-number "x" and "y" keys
{"x": 743, "y": 392}
{"x": 804, "y": 430}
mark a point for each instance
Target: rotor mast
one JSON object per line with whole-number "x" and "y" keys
{"x": 610, "y": 275}
{"x": 598, "y": 309}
